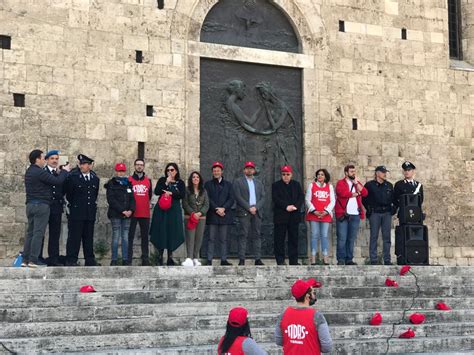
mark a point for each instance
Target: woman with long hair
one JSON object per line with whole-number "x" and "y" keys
{"x": 195, "y": 206}
{"x": 166, "y": 231}
{"x": 237, "y": 338}
{"x": 320, "y": 201}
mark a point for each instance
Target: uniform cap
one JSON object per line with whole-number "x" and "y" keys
{"x": 286, "y": 169}
{"x": 87, "y": 288}
{"x": 408, "y": 166}
{"x": 120, "y": 167}
{"x": 237, "y": 317}
{"x": 51, "y": 153}
{"x": 217, "y": 164}
{"x": 83, "y": 159}
{"x": 249, "y": 164}
{"x": 381, "y": 168}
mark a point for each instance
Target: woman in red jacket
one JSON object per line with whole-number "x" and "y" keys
{"x": 349, "y": 213}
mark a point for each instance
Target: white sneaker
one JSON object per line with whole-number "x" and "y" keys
{"x": 187, "y": 262}
{"x": 197, "y": 262}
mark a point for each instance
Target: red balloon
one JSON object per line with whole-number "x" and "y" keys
{"x": 404, "y": 270}
{"x": 376, "y": 319}
{"x": 408, "y": 334}
{"x": 391, "y": 283}
{"x": 417, "y": 318}
{"x": 87, "y": 288}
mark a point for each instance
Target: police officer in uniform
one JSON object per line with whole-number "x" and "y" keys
{"x": 379, "y": 206}
{"x": 81, "y": 190}
{"x": 56, "y": 210}
{"x": 408, "y": 185}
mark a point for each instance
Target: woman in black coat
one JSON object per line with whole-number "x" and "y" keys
{"x": 166, "y": 231}
{"x": 220, "y": 214}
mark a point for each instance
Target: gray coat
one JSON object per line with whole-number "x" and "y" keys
{"x": 242, "y": 196}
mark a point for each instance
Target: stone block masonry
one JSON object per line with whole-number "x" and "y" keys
{"x": 84, "y": 93}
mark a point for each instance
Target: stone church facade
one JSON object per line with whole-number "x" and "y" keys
{"x": 115, "y": 79}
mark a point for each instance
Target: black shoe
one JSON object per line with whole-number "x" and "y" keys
{"x": 113, "y": 263}
{"x": 295, "y": 264}
{"x": 241, "y": 262}
{"x": 282, "y": 263}
{"x": 315, "y": 263}
{"x": 126, "y": 263}
{"x": 350, "y": 263}
{"x": 259, "y": 262}
{"x": 225, "y": 263}
{"x": 341, "y": 262}
{"x": 170, "y": 262}
{"x": 374, "y": 263}
{"x": 145, "y": 262}
{"x": 209, "y": 263}
{"x": 387, "y": 263}
{"x": 41, "y": 260}
{"x": 92, "y": 263}
{"x": 71, "y": 263}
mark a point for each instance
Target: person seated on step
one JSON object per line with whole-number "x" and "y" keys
{"x": 301, "y": 329}
{"x": 237, "y": 338}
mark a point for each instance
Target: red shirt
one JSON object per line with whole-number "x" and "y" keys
{"x": 320, "y": 199}
{"x": 236, "y": 347}
{"x": 343, "y": 194}
{"x": 141, "y": 192}
{"x": 300, "y": 335}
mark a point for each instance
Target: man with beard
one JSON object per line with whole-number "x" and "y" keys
{"x": 220, "y": 214}
{"x": 143, "y": 192}
{"x": 301, "y": 329}
{"x": 249, "y": 195}
{"x": 349, "y": 213}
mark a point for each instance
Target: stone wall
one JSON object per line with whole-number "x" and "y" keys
{"x": 75, "y": 62}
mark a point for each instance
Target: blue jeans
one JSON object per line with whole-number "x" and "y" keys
{"x": 120, "y": 227}
{"x": 346, "y": 236}
{"x": 319, "y": 230}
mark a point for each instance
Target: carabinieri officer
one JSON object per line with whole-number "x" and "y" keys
{"x": 408, "y": 185}
{"x": 81, "y": 190}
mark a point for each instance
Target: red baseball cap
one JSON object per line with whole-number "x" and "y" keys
{"x": 217, "y": 164}
{"x": 237, "y": 316}
{"x": 300, "y": 287}
{"x": 286, "y": 169}
{"x": 120, "y": 167}
{"x": 249, "y": 164}
{"x": 87, "y": 288}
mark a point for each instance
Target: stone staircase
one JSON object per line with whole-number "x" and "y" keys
{"x": 177, "y": 310}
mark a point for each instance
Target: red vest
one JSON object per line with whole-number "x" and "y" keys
{"x": 235, "y": 348}
{"x": 300, "y": 335}
{"x": 320, "y": 198}
{"x": 141, "y": 190}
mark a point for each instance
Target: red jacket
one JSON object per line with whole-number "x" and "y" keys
{"x": 343, "y": 194}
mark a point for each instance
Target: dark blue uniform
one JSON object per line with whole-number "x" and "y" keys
{"x": 54, "y": 223}
{"x": 82, "y": 202}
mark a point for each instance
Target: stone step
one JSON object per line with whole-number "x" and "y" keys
{"x": 130, "y": 311}
{"x": 352, "y": 338}
{"x": 110, "y": 284}
{"x": 290, "y": 272}
{"x": 434, "y": 346}
{"x": 54, "y": 299}
{"x": 460, "y": 319}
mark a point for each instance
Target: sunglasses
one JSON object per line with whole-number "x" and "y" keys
{"x": 172, "y": 169}
{"x": 285, "y": 174}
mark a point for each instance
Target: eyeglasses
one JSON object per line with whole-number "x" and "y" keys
{"x": 171, "y": 169}
{"x": 139, "y": 164}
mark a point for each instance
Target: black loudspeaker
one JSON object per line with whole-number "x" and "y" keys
{"x": 410, "y": 210}
{"x": 411, "y": 244}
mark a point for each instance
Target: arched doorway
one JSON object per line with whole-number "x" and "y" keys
{"x": 251, "y": 111}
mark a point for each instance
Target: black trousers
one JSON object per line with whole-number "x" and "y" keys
{"x": 54, "y": 225}
{"x": 144, "y": 228}
{"x": 80, "y": 231}
{"x": 280, "y": 231}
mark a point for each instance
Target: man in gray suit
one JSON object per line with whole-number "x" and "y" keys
{"x": 249, "y": 196}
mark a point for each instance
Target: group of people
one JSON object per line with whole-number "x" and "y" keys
{"x": 184, "y": 211}
{"x": 300, "y": 329}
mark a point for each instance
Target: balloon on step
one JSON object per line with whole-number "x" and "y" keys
{"x": 376, "y": 319}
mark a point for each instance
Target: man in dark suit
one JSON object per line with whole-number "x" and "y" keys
{"x": 408, "y": 185}
{"x": 288, "y": 197}
{"x": 56, "y": 210}
{"x": 81, "y": 189}
{"x": 249, "y": 195}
